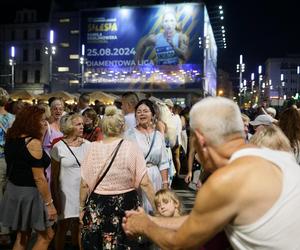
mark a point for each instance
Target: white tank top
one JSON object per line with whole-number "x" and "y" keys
{"x": 279, "y": 227}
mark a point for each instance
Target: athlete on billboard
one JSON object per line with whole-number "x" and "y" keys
{"x": 171, "y": 45}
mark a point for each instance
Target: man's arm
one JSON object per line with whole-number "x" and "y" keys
{"x": 169, "y": 222}
{"x": 215, "y": 207}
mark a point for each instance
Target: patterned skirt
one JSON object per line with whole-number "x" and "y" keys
{"x": 102, "y": 222}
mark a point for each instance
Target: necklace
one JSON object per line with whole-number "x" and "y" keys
{"x": 148, "y": 138}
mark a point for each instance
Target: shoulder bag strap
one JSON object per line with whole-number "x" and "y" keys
{"x": 71, "y": 152}
{"x": 109, "y": 165}
{"x": 151, "y": 146}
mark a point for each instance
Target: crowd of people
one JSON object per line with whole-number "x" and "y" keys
{"x": 105, "y": 175}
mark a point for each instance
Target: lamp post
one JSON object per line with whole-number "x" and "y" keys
{"x": 240, "y": 68}
{"x": 280, "y": 87}
{"x": 82, "y": 62}
{"x": 51, "y": 50}
{"x": 259, "y": 82}
{"x": 298, "y": 72}
{"x": 12, "y": 63}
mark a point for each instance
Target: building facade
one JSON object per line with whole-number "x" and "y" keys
{"x": 29, "y": 38}
{"x": 282, "y": 79}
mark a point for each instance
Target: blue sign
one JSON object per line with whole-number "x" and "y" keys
{"x": 148, "y": 47}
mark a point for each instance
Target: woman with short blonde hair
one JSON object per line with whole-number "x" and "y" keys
{"x": 112, "y": 171}
{"x": 66, "y": 157}
{"x": 271, "y": 137}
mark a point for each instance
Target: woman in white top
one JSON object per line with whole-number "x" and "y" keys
{"x": 152, "y": 144}
{"x": 67, "y": 155}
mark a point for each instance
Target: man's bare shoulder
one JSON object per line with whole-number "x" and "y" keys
{"x": 241, "y": 182}
{"x": 229, "y": 180}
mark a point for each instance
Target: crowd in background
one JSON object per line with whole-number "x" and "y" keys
{"x": 81, "y": 166}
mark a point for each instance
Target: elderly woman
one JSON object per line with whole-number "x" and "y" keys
{"x": 53, "y": 131}
{"x": 152, "y": 144}
{"x": 67, "y": 155}
{"x": 27, "y": 203}
{"x": 91, "y": 129}
{"x": 271, "y": 137}
{"x": 111, "y": 172}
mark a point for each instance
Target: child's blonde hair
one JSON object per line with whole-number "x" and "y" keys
{"x": 167, "y": 195}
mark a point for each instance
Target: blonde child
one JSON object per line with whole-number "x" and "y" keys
{"x": 167, "y": 203}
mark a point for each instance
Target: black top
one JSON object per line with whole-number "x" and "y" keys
{"x": 19, "y": 162}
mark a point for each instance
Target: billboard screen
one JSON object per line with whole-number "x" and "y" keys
{"x": 145, "y": 47}
{"x": 210, "y": 58}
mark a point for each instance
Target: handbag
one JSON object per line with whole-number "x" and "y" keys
{"x": 114, "y": 153}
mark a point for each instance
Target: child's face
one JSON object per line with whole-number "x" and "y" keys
{"x": 167, "y": 207}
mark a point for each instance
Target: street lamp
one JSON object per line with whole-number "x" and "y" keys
{"x": 280, "y": 87}
{"x": 50, "y": 50}
{"x": 82, "y": 62}
{"x": 240, "y": 68}
{"x": 12, "y": 63}
{"x": 298, "y": 72}
{"x": 259, "y": 82}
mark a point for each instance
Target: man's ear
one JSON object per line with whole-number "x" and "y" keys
{"x": 200, "y": 138}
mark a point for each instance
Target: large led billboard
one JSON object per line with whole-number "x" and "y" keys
{"x": 210, "y": 58}
{"x": 144, "y": 47}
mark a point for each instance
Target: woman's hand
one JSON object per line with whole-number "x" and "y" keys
{"x": 52, "y": 213}
{"x": 81, "y": 214}
{"x": 188, "y": 177}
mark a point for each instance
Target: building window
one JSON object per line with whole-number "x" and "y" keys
{"x": 64, "y": 20}
{"x": 25, "y": 55}
{"x": 13, "y": 35}
{"x": 73, "y": 81}
{"x": 37, "y": 76}
{"x": 284, "y": 66}
{"x": 38, "y": 34}
{"x": 25, "y": 34}
{"x": 65, "y": 45}
{"x": 63, "y": 69}
{"x": 74, "y": 56}
{"x": 37, "y": 55}
{"x": 24, "y": 76}
{"x": 25, "y": 18}
{"x": 74, "y": 32}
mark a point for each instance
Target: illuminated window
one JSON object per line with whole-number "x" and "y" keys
{"x": 64, "y": 20}
{"x": 74, "y": 81}
{"x": 63, "y": 69}
{"x": 74, "y": 56}
{"x": 73, "y": 32}
{"x": 65, "y": 45}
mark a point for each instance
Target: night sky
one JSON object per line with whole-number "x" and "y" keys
{"x": 256, "y": 29}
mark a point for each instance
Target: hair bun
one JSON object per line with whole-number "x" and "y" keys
{"x": 111, "y": 110}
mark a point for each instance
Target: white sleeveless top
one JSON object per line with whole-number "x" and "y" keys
{"x": 279, "y": 227}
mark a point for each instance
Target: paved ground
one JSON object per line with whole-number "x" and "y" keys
{"x": 187, "y": 196}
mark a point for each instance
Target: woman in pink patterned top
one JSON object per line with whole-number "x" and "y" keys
{"x": 102, "y": 213}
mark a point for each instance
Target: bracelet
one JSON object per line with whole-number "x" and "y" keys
{"x": 49, "y": 203}
{"x": 81, "y": 208}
